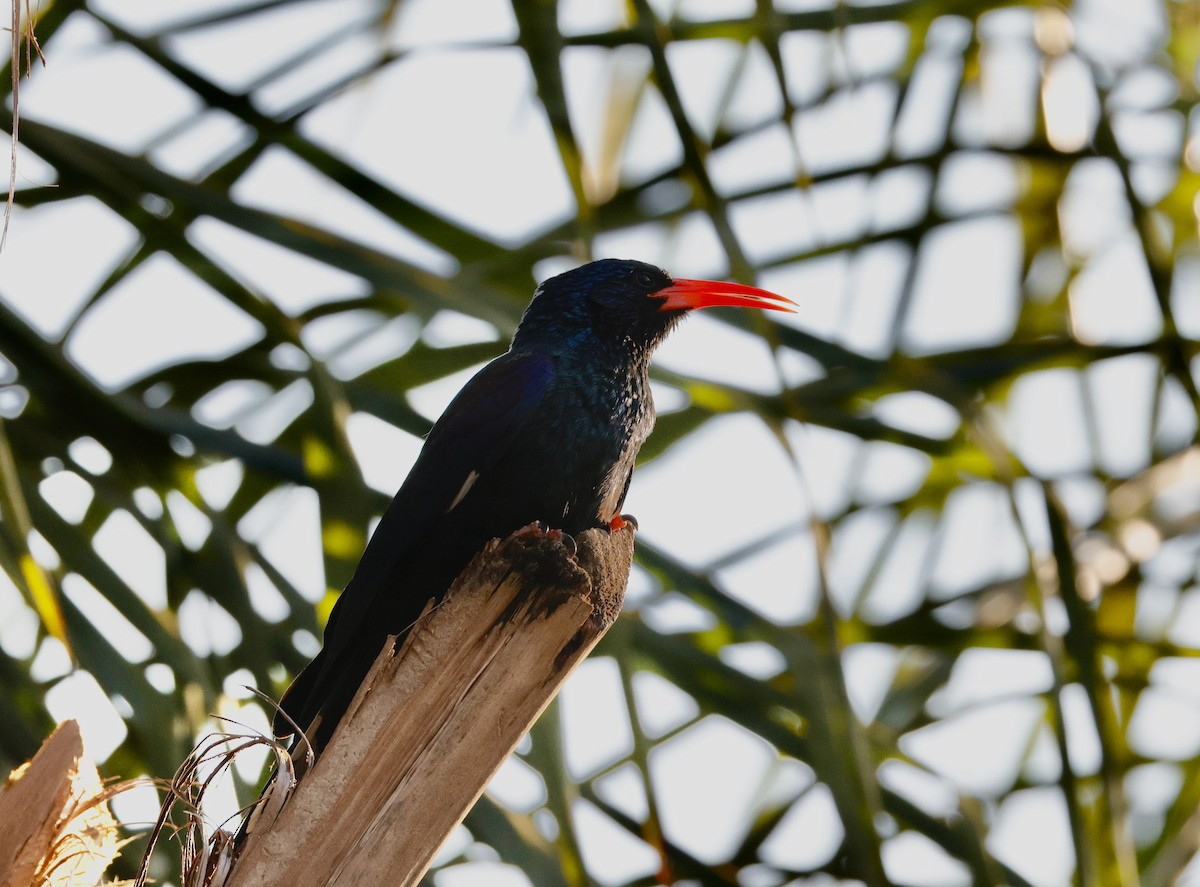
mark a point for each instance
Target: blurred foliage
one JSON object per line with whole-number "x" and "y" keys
{"x": 1095, "y": 596}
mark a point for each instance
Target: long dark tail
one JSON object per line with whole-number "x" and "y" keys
{"x": 291, "y": 719}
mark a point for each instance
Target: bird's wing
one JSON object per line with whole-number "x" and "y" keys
{"x": 473, "y": 434}
{"x": 476, "y": 430}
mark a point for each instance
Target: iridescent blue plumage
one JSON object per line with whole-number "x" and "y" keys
{"x": 547, "y": 432}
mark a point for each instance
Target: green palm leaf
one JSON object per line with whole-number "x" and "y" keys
{"x": 986, "y": 409}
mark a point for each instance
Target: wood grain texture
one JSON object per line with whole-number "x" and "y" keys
{"x": 435, "y": 719}
{"x": 55, "y": 826}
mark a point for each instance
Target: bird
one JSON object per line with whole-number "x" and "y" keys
{"x": 548, "y": 432}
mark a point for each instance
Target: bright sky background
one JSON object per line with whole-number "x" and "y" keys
{"x": 478, "y": 149}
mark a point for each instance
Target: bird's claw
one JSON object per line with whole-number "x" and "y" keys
{"x": 621, "y": 521}
{"x": 566, "y": 539}
{"x": 537, "y": 528}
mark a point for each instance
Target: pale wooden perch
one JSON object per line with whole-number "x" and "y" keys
{"x": 433, "y": 721}
{"x": 55, "y": 826}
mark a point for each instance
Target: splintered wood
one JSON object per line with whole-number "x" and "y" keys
{"x": 434, "y": 720}
{"x": 55, "y": 826}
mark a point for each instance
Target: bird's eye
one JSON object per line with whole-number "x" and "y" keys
{"x": 643, "y": 279}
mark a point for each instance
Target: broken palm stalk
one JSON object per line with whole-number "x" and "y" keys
{"x": 55, "y": 826}
{"x": 434, "y": 720}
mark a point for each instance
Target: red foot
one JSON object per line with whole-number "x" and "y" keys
{"x": 537, "y": 528}
{"x": 533, "y": 529}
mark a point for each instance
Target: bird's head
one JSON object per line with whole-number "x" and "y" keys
{"x": 624, "y": 304}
